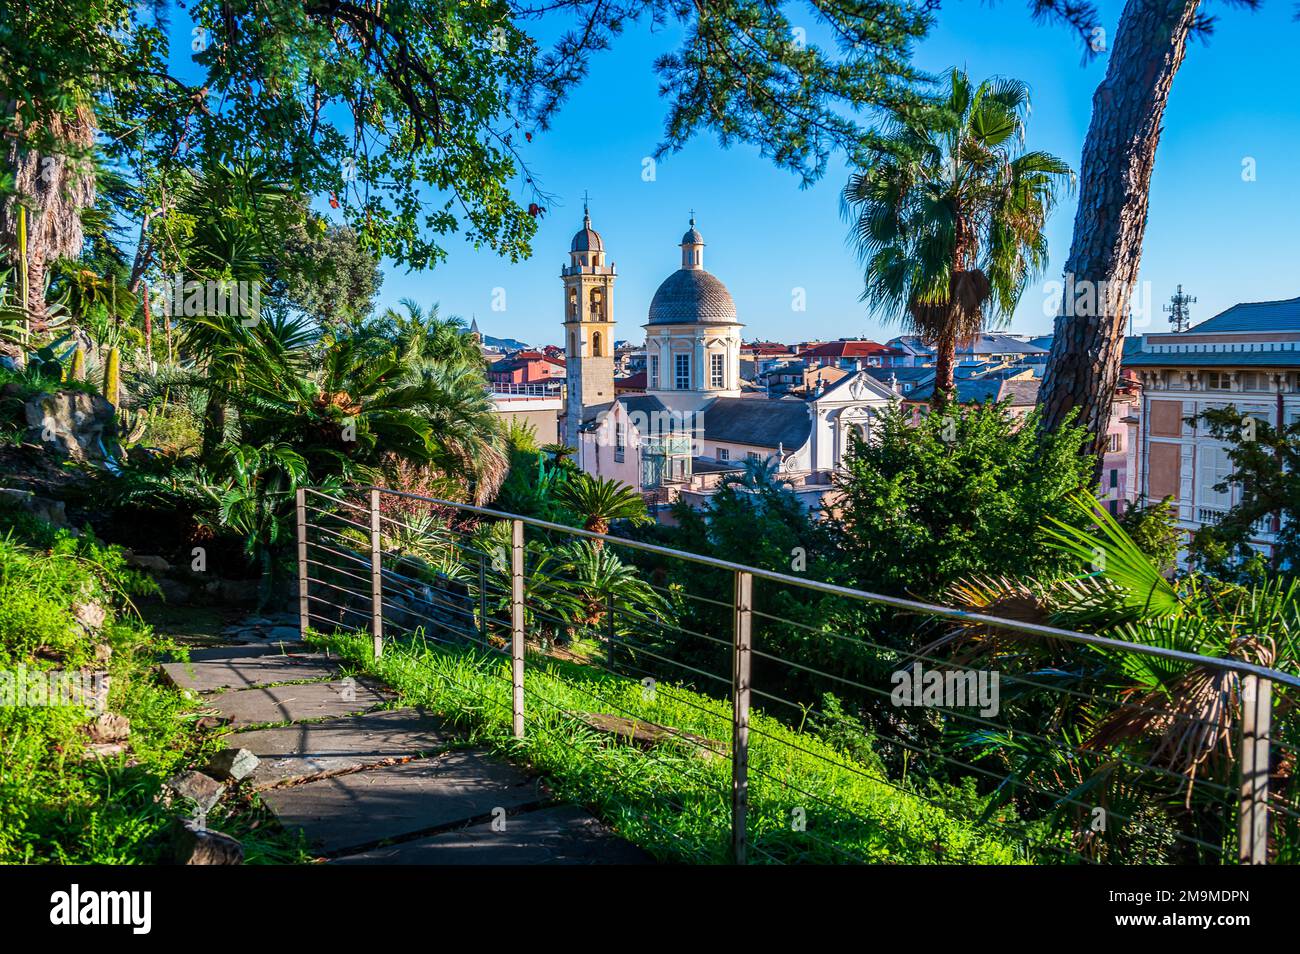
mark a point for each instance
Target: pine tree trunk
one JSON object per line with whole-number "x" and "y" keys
{"x": 1114, "y": 191}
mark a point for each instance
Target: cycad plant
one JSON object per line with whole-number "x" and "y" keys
{"x": 948, "y": 215}
{"x": 598, "y": 501}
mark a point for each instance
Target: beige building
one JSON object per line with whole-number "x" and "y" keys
{"x": 1249, "y": 357}
{"x": 588, "y": 325}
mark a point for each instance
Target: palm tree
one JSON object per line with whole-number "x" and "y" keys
{"x": 598, "y": 501}
{"x": 1179, "y": 719}
{"x": 948, "y": 216}
{"x": 425, "y": 338}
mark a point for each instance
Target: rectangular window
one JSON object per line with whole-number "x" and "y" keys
{"x": 724, "y": 454}
{"x": 753, "y": 455}
{"x": 682, "y": 372}
{"x": 716, "y": 379}
{"x": 1218, "y": 381}
{"x": 653, "y": 383}
{"x": 1112, "y": 443}
{"x": 620, "y": 441}
{"x": 1114, "y": 478}
{"x": 1212, "y": 466}
{"x": 1113, "y": 506}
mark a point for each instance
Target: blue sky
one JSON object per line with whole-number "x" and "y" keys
{"x": 1225, "y": 239}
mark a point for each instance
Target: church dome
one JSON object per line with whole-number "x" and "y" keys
{"x": 689, "y": 296}
{"x": 587, "y": 239}
{"x": 692, "y": 236}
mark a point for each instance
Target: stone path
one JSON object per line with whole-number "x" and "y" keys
{"x": 375, "y": 785}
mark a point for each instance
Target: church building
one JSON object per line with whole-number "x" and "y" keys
{"x": 696, "y": 420}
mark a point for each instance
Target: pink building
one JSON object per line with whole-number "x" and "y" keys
{"x": 1119, "y": 466}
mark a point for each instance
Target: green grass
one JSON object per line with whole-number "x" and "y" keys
{"x": 55, "y": 805}
{"x": 674, "y": 799}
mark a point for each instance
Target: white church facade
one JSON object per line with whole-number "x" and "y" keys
{"x": 696, "y": 422}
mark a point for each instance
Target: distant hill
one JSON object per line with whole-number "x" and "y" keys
{"x": 506, "y": 344}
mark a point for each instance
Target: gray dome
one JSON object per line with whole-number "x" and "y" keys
{"x": 692, "y": 237}
{"x": 691, "y": 295}
{"x": 587, "y": 239}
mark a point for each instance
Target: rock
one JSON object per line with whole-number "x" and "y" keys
{"x": 103, "y": 653}
{"x": 175, "y": 591}
{"x": 72, "y": 424}
{"x": 103, "y": 750}
{"x": 195, "y": 845}
{"x": 238, "y": 591}
{"x": 147, "y": 561}
{"x": 110, "y": 727}
{"x": 51, "y": 511}
{"x": 90, "y": 615}
{"x": 203, "y": 790}
{"x": 232, "y": 764}
{"x": 208, "y": 722}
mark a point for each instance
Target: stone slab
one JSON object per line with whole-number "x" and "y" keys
{"x": 356, "y": 810}
{"x": 290, "y": 752}
{"x": 564, "y": 835}
{"x": 244, "y": 651}
{"x": 315, "y": 700}
{"x": 208, "y": 675}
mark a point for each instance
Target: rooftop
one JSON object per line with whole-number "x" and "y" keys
{"x": 1255, "y": 316}
{"x": 761, "y": 423}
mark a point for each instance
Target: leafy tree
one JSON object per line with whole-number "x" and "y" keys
{"x": 960, "y": 493}
{"x": 1154, "y": 529}
{"x": 415, "y": 117}
{"x": 324, "y": 273}
{"x": 1266, "y": 466}
{"x": 948, "y": 214}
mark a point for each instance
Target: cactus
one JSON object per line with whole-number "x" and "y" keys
{"x": 78, "y": 370}
{"x": 112, "y": 377}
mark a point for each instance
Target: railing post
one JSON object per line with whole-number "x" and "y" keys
{"x": 611, "y": 634}
{"x": 740, "y": 689}
{"x": 482, "y": 599}
{"x": 376, "y": 577}
{"x": 1256, "y": 719}
{"x": 304, "y": 618}
{"x": 517, "y": 625}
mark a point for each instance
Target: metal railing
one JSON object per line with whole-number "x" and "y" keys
{"x": 1053, "y": 763}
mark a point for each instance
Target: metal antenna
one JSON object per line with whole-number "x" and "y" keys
{"x": 1180, "y": 316}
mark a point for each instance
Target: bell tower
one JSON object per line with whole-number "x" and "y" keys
{"x": 588, "y": 328}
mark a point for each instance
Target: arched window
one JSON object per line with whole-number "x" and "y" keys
{"x": 595, "y": 344}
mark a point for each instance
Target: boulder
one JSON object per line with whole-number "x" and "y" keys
{"x": 72, "y": 424}
{"x": 203, "y": 790}
{"x": 51, "y": 511}
{"x": 238, "y": 591}
{"x": 109, "y": 727}
{"x": 196, "y": 845}
{"x": 232, "y": 764}
{"x": 90, "y": 615}
{"x": 145, "y": 561}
